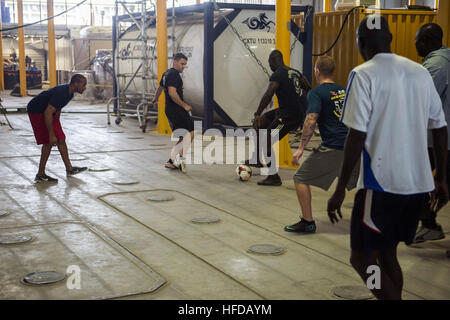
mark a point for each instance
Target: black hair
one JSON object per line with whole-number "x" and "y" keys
{"x": 277, "y": 55}
{"x": 431, "y": 33}
{"x": 77, "y": 78}
{"x": 379, "y": 35}
{"x": 179, "y": 56}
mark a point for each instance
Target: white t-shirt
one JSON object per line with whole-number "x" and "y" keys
{"x": 394, "y": 101}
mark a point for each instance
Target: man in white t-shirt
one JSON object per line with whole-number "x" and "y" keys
{"x": 391, "y": 102}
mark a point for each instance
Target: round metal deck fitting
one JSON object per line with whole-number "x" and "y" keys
{"x": 78, "y": 158}
{"x": 3, "y": 213}
{"x": 115, "y": 131}
{"x": 267, "y": 249}
{"x": 157, "y": 144}
{"x": 203, "y": 220}
{"x": 135, "y": 137}
{"x": 43, "y": 277}
{"x": 99, "y": 169}
{"x": 99, "y": 126}
{"x": 125, "y": 182}
{"x": 162, "y": 197}
{"x": 353, "y": 293}
{"x": 14, "y": 239}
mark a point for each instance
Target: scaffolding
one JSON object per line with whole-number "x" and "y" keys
{"x": 122, "y": 103}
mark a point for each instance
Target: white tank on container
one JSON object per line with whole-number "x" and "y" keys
{"x": 239, "y": 82}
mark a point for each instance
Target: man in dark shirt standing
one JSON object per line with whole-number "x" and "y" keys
{"x": 290, "y": 86}
{"x": 437, "y": 62}
{"x": 322, "y": 167}
{"x": 44, "y": 112}
{"x": 177, "y": 111}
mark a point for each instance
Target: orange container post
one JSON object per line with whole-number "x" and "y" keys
{"x": 403, "y": 25}
{"x": 443, "y": 19}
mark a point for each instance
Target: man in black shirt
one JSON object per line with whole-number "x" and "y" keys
{"x": 291, "y": 88}
{"x": 177, "y": 111}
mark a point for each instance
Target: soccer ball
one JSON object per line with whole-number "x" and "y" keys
{"x": 243, "y": 172}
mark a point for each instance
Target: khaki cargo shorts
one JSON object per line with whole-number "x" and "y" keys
{"x": 322, "y": 167}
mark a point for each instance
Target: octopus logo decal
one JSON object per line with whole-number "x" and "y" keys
{"x": 259, "y": 23}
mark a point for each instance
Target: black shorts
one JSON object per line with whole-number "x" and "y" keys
{"x": 179, "y": 118}
{"x": 283, "y": 123}
{"x": 380, "y": 220}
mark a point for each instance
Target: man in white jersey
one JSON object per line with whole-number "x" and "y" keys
{"x": 391, "y": 102}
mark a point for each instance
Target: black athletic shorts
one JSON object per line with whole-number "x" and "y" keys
{"x": 283, "y": 123}
{"x": 380, "y": 220}
{"x": 179, "y": 118}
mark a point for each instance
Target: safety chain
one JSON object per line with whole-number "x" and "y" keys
{"x": 301, "y": 28}
{"x": 241, "y": 39}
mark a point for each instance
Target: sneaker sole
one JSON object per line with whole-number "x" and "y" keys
{"x": 45, "y": 181}
{"x": 420, "y": 240}
{"x": 270, "y": 185}
{"x": 294, "y": 231}
{"x": 72, "y": 174}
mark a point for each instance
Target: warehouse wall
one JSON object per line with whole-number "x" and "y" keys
{"x": 36, "y": 51}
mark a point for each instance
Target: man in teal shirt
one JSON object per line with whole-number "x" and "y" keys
{"x": 437, "y": 62}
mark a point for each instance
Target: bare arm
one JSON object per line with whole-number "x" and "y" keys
{"x": 158, "y": 93}
{"x": 305, "y": 84}
{"x": 352, "y": 152}
{"x": 308, "y": 130}
{"x": 48, "y": 116}
{"x": 267, "y": 97}
{"x": 440, "y": 194}
{"x": 176, "y": 98}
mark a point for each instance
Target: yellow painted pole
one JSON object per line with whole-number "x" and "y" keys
{"x": 282, "y": 43}
{"x": 412, "y": 2}
{"x": 2, "y": 73}
{"x": 327, "y": 5}
{"x": 443, "y": 18}
{"x": 161, "y": 50}
{"x": 51, "y": 45}
{"x": 22, "y": 65}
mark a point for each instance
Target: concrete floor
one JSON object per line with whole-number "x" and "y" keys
{"x": 130, "y": 248}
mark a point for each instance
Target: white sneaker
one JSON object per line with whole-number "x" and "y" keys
{"x": 180, "y": 162}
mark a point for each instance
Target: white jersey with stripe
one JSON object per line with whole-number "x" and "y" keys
{"x": 394, "y": 101}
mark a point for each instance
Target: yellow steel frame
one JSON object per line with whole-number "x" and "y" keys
{"x": 2, "y": 79}
{"x": 161, "y": 49}
{"x": 282, "y": 43}
{"x": 443, "y": 20}
{"x": 22, "y": 65}
{"x": 51, "y": 45}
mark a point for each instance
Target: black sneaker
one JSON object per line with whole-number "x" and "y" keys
{"x": 170, "y": 165}
{"x": 76, "y": 170}
{"x": 302, "y": 226}
{"x": 44, "y": 178}
{"x": 272, "y": 180}
{"x": 426, "y": 234}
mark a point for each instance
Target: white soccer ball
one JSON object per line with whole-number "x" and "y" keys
{"x": 243, "y": 172}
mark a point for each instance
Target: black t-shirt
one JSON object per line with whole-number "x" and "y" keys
{"x": 58, "y": 97}
{"x": 290, "y": 93}
{"x": 172, "y": 78}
